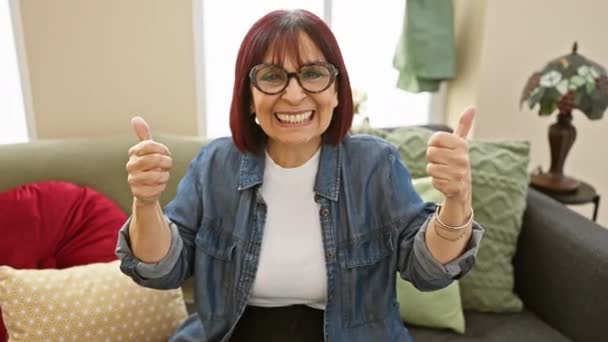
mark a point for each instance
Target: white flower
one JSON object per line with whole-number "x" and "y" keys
{"x": 562, "y": 86}
{"x": 589, "y": 74}
{"x": 594, "y": 72}
{"x": 550, "y": 79}
{"x": 583, "y": 70}
{"x": 576, "y": 81}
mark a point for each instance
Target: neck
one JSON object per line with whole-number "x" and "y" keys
{"x": 288, "y": 155}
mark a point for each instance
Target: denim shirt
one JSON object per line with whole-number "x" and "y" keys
{"x": 373, "y": 226}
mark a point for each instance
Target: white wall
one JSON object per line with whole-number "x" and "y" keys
{"x": 93, "y": 64}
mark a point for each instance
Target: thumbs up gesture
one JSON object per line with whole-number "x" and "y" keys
{"x": 148, "y": 166}
{"x": 448, "y": 160}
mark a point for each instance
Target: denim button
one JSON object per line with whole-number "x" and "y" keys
{"x": 324, "y": 212}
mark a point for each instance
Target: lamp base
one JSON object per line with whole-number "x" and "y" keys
{"x": 555, "y": 182}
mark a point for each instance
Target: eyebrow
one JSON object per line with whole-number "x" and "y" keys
{"x": 301, "y": 65}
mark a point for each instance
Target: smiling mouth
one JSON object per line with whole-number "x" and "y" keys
{"x": 295, "y": 118}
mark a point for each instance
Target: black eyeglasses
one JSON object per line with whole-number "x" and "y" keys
{"x": 272, "y": 79}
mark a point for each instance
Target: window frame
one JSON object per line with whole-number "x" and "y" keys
{"x": 24, "y": 74}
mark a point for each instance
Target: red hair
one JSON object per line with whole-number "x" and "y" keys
{"x": 280, "y": 31}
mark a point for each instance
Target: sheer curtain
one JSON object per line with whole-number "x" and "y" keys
{"x": 13, "y": 126}
{"x": 367, "y": 32}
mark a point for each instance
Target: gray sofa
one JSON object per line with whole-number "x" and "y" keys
{"x": 561, "y": 274}
{"x": 561, "y": 265}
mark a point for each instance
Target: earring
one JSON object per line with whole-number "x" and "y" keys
{"x": 255, "y": 118}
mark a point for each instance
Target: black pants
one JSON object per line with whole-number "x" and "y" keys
{"x": 297, "y": 323}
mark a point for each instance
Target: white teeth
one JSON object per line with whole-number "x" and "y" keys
{"x": 294, "y": 118}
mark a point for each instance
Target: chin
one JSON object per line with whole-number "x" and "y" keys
{"x": 297, "y": 140}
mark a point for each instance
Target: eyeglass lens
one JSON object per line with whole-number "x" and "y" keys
{"x": 313, "y": 78}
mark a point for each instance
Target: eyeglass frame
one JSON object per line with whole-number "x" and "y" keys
{"x": 333, "y": 72}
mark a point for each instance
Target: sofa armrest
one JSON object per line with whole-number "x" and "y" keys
{"x": 561, "y": 268}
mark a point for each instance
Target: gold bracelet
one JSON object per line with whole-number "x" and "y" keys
{"x": 451, "y": 239}
{"x": 452, "y": 228}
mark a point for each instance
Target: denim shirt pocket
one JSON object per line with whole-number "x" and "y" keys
{"x": 215, "y": 269}
{"x": 215, "y": 242}
{"x": 365, "y": 250}
{"x": 366, "y": 269}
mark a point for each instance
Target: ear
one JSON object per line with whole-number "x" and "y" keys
{"x": 336, "y": 101}
{"x": 251, "y": 100}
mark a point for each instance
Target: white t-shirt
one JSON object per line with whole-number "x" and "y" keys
{"x": 292, "y": 263}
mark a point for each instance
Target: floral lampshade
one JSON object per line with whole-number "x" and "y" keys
{"x": 569, "y": 82}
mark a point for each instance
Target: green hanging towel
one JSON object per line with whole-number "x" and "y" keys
{"x": 425, "y": 54}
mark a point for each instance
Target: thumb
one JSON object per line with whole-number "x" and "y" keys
{"x": 141, "y": 128}
{"x": 466, "y": 122}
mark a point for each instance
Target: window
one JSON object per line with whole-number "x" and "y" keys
{"x": 13, "y": 127}
{"x": 367, "y": 35}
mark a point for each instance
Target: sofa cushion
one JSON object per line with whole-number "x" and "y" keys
{"x": 435, "y": 309}
{"x": 496, "y": 327}
{"x": 500, "y": 182}
{"x": 56, "y": 225}
{"x": 94, "y": 302}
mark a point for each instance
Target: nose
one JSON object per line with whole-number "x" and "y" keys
{"x": 293, "y": 93}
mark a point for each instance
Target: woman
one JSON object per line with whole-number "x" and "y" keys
{"x": 292, "y": 229}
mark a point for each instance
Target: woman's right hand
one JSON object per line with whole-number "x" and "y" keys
{"x": 148, "y": 167}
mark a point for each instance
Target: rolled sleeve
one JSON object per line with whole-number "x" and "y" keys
{"x": 138, "y": 269}
{"x": 455, "y": 268}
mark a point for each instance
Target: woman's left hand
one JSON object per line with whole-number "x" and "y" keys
{"x": 448, "y": 160}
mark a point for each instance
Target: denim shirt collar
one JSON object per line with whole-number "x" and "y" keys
{"x": 327, "y": 183}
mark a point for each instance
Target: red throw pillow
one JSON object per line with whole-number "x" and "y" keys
{"x": 56, "y": 225}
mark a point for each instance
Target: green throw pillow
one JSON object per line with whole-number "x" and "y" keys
{"x": 500, "y": 181}
{"x": 436, "y": 309}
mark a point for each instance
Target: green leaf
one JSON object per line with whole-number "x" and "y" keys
{"x": 547, "y": 106}
{"x": 595, "y": 114}
{"x": 584, "y": 103}
{"x": 598, "y": 104}
{"x": 535, "y": 97}
{"x": 552, "y": 94}
{"x": 590, "y": 87}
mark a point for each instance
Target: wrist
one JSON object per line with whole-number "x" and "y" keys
{"x": 141, "y": 204}
{"x": 455, "y": 213}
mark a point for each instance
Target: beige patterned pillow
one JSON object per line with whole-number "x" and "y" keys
{"x": 94, "y": 302}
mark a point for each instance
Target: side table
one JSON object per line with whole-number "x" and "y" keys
{"x": 584, "y": 194}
